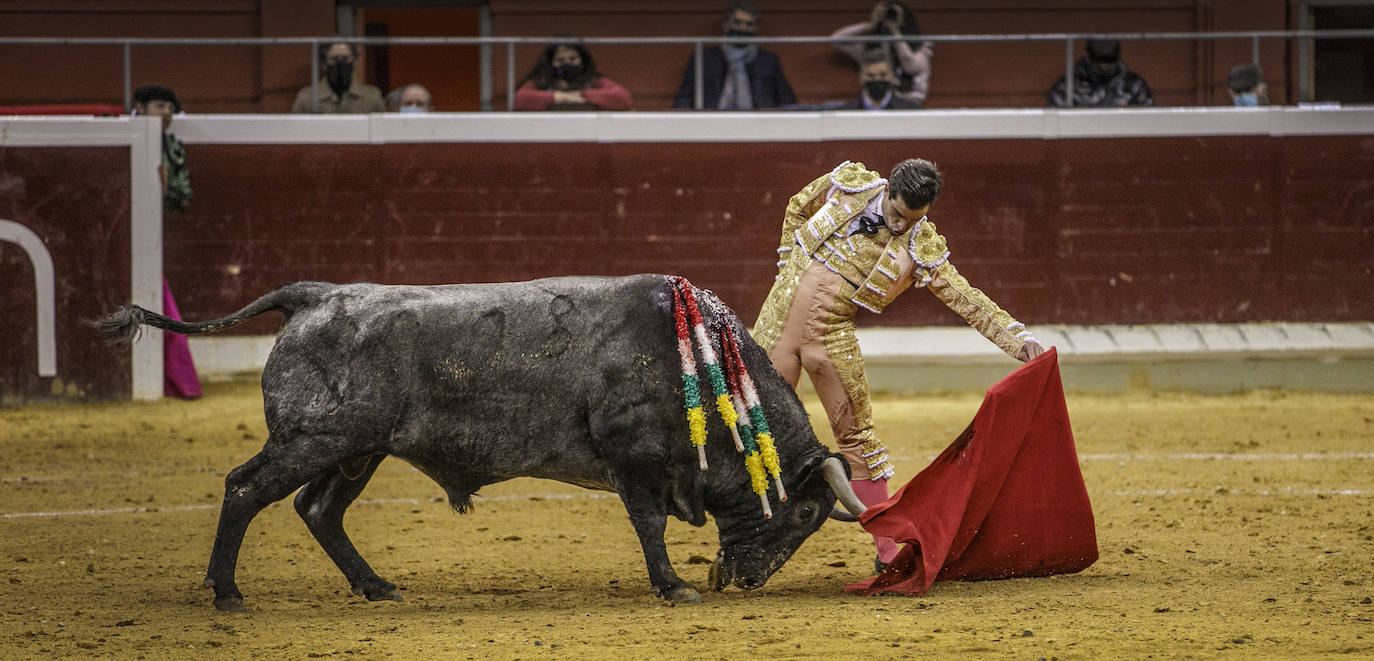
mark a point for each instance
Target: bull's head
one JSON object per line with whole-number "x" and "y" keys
{"x": 752, "y": 547}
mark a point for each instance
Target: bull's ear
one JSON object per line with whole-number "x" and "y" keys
{"x": 686, "y": 498}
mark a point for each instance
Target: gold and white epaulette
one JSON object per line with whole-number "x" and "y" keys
{"x": 855, "y": 178}
{"x": 928, "y": 249}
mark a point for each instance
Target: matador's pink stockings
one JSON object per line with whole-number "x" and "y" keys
{"x": 871, "y": 493}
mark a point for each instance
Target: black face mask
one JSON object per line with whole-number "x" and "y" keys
{"x": 339, "y": 75}
{"x": 567, "y": 72}
{"x": 877, "y": 89}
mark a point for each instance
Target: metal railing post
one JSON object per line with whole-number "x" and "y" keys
{"x": 484, "y": 54}
{"x": 1068, "y": 71}
{"x": 698, "y": 68}
{"x": 1254, "y": 50}
{"x": 314, "y": 77}
{"x": 128, "y": 76}
{"x": 510, "y": 75}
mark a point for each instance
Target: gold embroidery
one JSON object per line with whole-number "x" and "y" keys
{"x": 842, "y": 347}
{"x": 877, "y": 288}
{"x": 927, "y": 246}
{"x": 768, "y": 328}
{"x": 975, "y": 307}
{"x": 802, "y": 207}
{"x": 854, "y": 177}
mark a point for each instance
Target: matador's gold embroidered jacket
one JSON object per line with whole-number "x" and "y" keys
{"x": 881, "y": 266}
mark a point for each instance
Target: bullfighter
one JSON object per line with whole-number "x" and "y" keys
{"x": 852, "y": 239}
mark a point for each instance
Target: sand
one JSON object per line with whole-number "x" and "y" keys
{"x": 1235, "y": 526}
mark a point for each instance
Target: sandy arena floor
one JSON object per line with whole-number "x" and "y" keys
{"x": 1231, "y": 527}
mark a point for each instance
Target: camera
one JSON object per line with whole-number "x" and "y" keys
{"x": 892, "y": 14}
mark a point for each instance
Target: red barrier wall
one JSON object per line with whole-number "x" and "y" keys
{"x": 1131, "y": 230}
{"x": 76, "y": 199}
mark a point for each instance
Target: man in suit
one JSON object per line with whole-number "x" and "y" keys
{"x": 736, "y": 76}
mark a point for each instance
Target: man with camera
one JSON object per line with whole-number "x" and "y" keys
{"x": 911, "y": 56}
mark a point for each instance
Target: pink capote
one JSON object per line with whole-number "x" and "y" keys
{"x": 179, "y": 371}
{"x": 1005, "y": 500}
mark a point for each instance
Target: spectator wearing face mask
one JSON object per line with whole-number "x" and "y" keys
{"x": 179, "y": 369}
{"x": 337, "y": 92}
{"x": 1101, "y": 80}
{"x": 736, "y": 76}
{"x": 565, "y": 78}
{"x": 879, "y": 81}
{"x": 410, "y": 98}
{"x": 911, "y": 58}
{"x": 1245, "y": 82}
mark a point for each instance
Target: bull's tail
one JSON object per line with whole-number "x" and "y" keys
{"x": 123, "y": 325}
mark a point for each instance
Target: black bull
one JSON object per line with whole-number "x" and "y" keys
{"x": 569, "y": 379}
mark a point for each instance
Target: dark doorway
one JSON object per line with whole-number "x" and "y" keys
{"x": 451, "y": 73}
{"x": 1343, "y": 69}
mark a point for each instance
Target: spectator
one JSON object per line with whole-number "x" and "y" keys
{"x": 736, "y": 76}
{"x": 565, "y": 78}
{"x": 912, "y": 58}
{"x": 179, "y": 378}
{"x": 337, "y": 92}
{"x": 879, "y": 81}
{"x": 1101, "y": 80}
{"x": 1246, "y": 85}
{"x": 410, "y": 98}
{"x": 172, "y": 171}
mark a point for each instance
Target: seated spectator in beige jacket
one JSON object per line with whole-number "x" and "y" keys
{"x": 911, "y": 58}
{"x": 337, "y": 92}
{"x": 565, "y": 78}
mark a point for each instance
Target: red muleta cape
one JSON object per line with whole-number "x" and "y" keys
{"x": 1005, "y": 500}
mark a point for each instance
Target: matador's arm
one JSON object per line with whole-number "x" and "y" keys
{"x": 979, "y": 311}
{"x": 800, "y": 208}
{"x": 934, "y": 270}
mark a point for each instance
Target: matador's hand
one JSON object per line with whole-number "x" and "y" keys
{"x": 1029, "y": 351}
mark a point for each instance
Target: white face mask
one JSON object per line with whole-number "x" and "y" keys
{"x": 413, "y": 109}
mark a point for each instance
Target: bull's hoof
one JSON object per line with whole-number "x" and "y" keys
{"x": 378, "y": 592}
{"x": 683, "y": 594}
{"x": 229, "y": 604}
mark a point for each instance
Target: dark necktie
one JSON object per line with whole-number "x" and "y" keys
{"x": 870, "y": 225}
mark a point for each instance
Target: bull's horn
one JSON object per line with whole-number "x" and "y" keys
{"x": 839, "y": 483}
{"x": 839, "y": 514}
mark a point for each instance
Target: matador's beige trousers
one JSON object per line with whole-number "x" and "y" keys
{"x": 818, "y": 336}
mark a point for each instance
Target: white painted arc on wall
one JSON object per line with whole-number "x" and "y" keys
{"x": 44, "y": 291}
